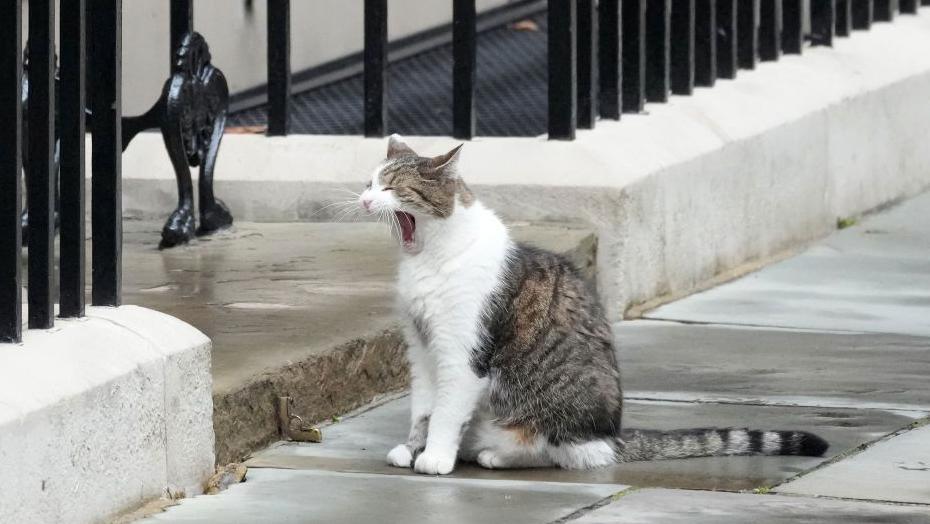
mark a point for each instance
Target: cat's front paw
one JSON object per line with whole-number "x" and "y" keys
{"x": 400, "y": 456}
{"x": 433, "y": 463}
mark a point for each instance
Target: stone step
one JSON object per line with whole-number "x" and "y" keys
{"x": 296, "y": 309}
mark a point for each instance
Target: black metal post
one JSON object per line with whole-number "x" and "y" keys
{"x": 610, "y": 59}
{"x": 376, "y": 19}
{"x": 908, "y": 6}
{"x": 770, "y": 20}
{"x": 727, "y": 49}
{"x": 885, "y": 10}
{"x": 658, "y": 53}
{"x": 823, "y": 22}
{"x": 464, "y": 66}
{"x": 11, "y": 69}
{"x": 72, "y": 111}
{"x": 748, "y": 33}
{"x": 279, "y": 66}
{"x": 587, "y": 63}
{"x": 40, "y": 179}
{"x": 863, "y": 13}
{"x": 182, "y": 22}
{"x": 705, "y": 42}
{"x": 106, "y": 187}
{"x": 843, "y": 17}
{"x": 682, "y": 42}
{"x": 563, "y": 84}
{"x": 792, "y": 35}
{"x": 634, "y": 55}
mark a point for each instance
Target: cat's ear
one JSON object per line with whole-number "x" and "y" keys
{"x": 444, "y": 165}
{"x": 397, "y": 148}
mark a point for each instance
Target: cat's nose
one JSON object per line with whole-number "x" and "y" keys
{"x": 366, "y": 203}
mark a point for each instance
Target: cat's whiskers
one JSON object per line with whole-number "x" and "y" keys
{"x": 346, "y": 212}
{"x": 349, "y": 191}
{"x": 340, "y": 206}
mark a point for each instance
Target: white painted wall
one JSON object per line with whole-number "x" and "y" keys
{"x": 101, "y": 414}
{"x": 691, "y": 189}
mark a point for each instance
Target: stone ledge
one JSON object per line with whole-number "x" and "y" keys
{"x": 102, "y": 413}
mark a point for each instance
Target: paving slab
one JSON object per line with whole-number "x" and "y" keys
{"x": 359, "y": 445}
{"x": 279, "y": 496}
{"x": 668, "y": 360}
{"x": 873, "y": 277}
{"x": 895, "y": 469}
{"x": 701, "y": 507}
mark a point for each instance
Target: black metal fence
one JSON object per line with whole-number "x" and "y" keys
{"x": 53, "y": 156}
{"x": 605, "y": 58}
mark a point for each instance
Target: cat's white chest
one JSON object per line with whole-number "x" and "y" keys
{"x": 444, "y": 289}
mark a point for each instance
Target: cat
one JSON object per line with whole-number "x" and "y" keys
{"x": 512, "y": 360}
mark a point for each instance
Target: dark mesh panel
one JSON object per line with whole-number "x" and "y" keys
{"x": 510, "y": 99}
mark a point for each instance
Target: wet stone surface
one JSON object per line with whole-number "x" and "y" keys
{"x": 266, "y": 294}
{"x": 873, "y": 277}
{"x": 281, "y": 496}
{"x": 271, "y": 294}
{"x": 360, "y": 444}
{"x": 896, "y": 469}
{"x": 774, "y": 366}
{"x": 673, "y": 506}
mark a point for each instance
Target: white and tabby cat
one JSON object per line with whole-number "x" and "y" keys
{"x": 512, "y": 361}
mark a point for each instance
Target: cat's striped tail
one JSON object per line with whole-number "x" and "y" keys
{"x": 640, "y": 444}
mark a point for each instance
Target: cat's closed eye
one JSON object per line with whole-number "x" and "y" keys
{"x": 388, "y": 188}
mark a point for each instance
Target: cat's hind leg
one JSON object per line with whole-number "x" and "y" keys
{"x": 494, "y": 446}
{"x": 584, "y": 455}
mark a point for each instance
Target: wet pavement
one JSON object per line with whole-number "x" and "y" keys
{"x": 834, "y": 341}
{"x": 358, "y": 445}
{"x": 874, "y": 277}
{"x": 895, "y": 469}
{"x": 268, "y": 294}
{"x": 703, "y": 507}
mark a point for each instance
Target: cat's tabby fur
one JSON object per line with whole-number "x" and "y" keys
{"x": 512, "y": 359}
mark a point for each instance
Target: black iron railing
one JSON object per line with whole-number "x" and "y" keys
{"x": 42, "y": 162}
{"x": 11, "y": 70}
{"x": 46, "y": 111}
{"x": 605, "y": 57}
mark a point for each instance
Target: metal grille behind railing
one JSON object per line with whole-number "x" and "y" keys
{"x": 605, "y": 58}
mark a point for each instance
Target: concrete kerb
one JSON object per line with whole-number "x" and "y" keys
{"x": 103, "y": 413}
{"x": 697, "y": 187}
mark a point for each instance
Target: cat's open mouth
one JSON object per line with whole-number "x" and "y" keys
{"x": 408, "y": 226}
